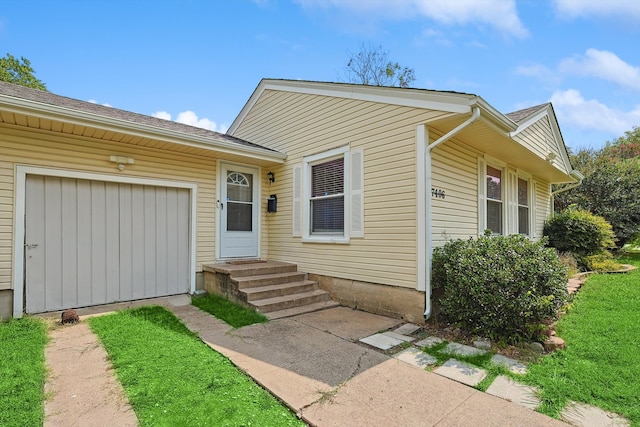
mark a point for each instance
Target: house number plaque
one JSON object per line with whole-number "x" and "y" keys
{"x": 437, "y": 193}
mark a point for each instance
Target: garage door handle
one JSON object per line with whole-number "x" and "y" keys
{"x": 30, "y": 245}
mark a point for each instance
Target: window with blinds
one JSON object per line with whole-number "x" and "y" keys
{"x": 327, "y": 197}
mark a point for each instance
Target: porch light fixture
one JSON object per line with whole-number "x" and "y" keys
{"x": 121, "y": 161}
{"x": 550, "y": 157}
{"x": 271, "y": 177}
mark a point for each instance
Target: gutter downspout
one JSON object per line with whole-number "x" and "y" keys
{"x": 429, "y": 215}
{"x": 574, "y": 173}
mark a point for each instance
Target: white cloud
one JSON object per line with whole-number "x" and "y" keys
{"x": 571, "y": 107}
{"x": 538, "y": 71}
{"x": 93, "y": 101}
{"x": 190, "y": 118}
{"x": 500, "y": 14}
{"x": 604, "y": 65}
{"x": 576, "y": 8}
{"x": 162, "y": 115}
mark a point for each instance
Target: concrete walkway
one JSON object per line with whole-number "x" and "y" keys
{"x": 314, "y": 364}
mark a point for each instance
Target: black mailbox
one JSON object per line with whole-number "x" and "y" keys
{"x": 272, "y": 203}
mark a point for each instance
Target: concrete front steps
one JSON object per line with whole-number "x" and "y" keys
{"x": 276, "y": 289}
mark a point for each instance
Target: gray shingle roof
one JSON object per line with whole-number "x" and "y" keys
{"x": 49, "y": 98}
{"x": 520, "y": 115}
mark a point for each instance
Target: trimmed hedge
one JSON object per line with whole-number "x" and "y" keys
{"x": 502, "y": 287}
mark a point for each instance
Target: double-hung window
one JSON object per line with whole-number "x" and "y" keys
{"x": 506, "y": 200}
{"x": 523, "y": 206}
{"x": 328, "y": 191}
{"x": 494, "y": 197}
{"x": 327, "y": 197}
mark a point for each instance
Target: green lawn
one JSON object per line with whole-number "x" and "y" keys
{"x": 228, "y": 311}
{"x": 601, "y": 363}
{"x": 22, "y": 372}
{"x": 173, "y": 379}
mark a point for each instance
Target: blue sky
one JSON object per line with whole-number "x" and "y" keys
{"x": 198, "y": 61}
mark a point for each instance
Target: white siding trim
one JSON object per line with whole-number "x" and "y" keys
{"x": 357, "y": 193}
{"x": 482, "y": 201}
{"x": 421, "y": 177}
{"x": 19, "y": 220}
{"x": 296, "y": 221}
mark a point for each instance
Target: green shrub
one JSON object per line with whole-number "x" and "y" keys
{"x": 579, "y": 232}
{"x": 502, "y": 287}
{"x": 602, "y": 263}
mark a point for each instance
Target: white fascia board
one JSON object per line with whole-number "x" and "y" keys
{"x": 418, "y": 98}
{"x": 68, "y": 115}
{"x": 531, "y": 120}
{"x": 493, "y": 116}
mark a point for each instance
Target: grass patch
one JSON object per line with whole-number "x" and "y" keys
{"x": 172, "y": 379}
{"x": 600, "y": 364}
{"x": 22, "y": 372}
{"x": 228, "y": 311}
{"x": 480, "y": 360}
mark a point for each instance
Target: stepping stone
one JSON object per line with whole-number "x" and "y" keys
{"x": 407, "y": 329}
{"x": 429, "y": 342}
{"x": 482, "y": 344}
{"x": 583, "y": 415}
{"x": 400, "y": 337}
{"x": 512, "y": 365}
{"x": 461, "y": 372}
{"x": 382, "y": 341}
{"x": 462, "y": 350}
{"x": 415, "y": 357}
{"x": 510, "y": 390}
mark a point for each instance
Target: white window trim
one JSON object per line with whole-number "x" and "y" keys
{"x": 510, "y": 203}
{"x": 503, "y": 188}
{"x": 306, "y": 172}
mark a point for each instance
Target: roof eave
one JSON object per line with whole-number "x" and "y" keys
{"x": 69, "y": 115}
{"x": 418, "y": 98}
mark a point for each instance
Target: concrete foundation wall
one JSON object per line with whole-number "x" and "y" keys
{"x": 392, "y": 301}
{"x": 6, "y": 304}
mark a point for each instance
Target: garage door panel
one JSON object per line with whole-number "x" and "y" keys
{"x": 137, "y": 236}
{"x": 112, "y": 229}
{"x": 34, "y": 240}
{"x": 83, "y": 204}
{"x": 70, "y": 242}
{"x": 104, "y": 242}
{"x": 52, "y": 242}
{"x": 183, "y": 236}
{"x": 98, "y": 215}
{"x": 126, "y": 236}
{"x": 162, "y": 231}
{"x": 172, "y": 237}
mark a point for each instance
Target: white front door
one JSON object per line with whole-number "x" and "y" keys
{"x": 239, "y": 208}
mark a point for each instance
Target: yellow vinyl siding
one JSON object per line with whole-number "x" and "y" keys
{"x": 45, "y": 149}
{"x": 543, "y": 205}
{"x": 455, "y": 171}
{"x": 302, "y": 125}
{"x": 540, "y": 139}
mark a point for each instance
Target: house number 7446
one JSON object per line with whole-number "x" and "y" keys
{"x": 438, "y": 194}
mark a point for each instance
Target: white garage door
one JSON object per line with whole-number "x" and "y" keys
{"x": 94, "y": 242}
